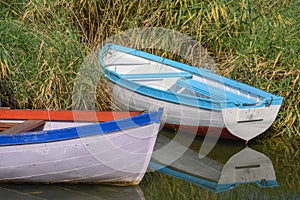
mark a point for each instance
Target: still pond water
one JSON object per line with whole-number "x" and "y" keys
{"x": 202, "y": 175}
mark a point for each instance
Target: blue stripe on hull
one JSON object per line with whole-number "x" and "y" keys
{"x": 168, "y": 96}
{"x": 80, "y": 131}
{"x": 213, "y": 92}
{"x": 207, "y": 184}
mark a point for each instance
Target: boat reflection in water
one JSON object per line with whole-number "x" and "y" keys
{"x": 69, "y": 192}
{"x": 245, "y": 166}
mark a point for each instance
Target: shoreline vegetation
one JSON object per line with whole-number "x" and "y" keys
{"x": 44, "y": 43}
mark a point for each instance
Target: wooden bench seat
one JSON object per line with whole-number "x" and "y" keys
{"x": 213, "y": 92}
{"x": 24, "y": 126}
{"x": 7, "y": 125}
{"x": 185, "y": 75}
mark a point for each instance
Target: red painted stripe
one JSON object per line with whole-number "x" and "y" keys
{"x": 64, "y": 115}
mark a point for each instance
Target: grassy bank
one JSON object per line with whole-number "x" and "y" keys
{"x": 43, "y": 44}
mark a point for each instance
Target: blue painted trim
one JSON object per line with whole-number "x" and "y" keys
{"x": 209, "y": 185}
{"x": 273, "y": 99}
{"x": 176, "y": 98}
{"x": 267, "y": 183}
{"x": 213, "y": 92}
{"x": 80, "y": 131}
{"x": 157, "y": 118}
{"x": 167, "y": 95}
{"x": 206, "y": 184}
{"x": 261, "y": 184}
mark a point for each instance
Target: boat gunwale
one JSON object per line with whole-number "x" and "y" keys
{"x": 99, "y": 128}
{"x": 136, "y": 87}
{"x": 188, "y": 100}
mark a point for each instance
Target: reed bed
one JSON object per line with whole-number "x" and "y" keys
{"x": 44, "y": 43}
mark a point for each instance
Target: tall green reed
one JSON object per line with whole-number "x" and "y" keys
{"x": 44, "y": 43}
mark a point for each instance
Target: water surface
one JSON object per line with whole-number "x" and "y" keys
{"x": 157, "y": 185}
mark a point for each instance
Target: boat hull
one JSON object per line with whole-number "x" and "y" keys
{"x": 118, "y": 157}
{"x": 229, "y": 123}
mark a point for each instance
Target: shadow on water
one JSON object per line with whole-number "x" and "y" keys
{"x": 230, "y": 171}
{"x": 69, "y": 192}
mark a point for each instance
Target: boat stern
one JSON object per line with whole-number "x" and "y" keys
{"x": 247, "y": 123}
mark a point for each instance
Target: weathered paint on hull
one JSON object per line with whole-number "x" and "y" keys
{"x": 238, "y": 123}
{"x": 116, "y": 158}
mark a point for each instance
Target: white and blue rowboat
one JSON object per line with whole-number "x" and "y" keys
{"x": 192, "y": 98}
{"x": 114, "y": 152}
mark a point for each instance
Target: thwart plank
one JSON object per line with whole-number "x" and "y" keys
{"x": 24, "y": 126}
{"x": 6, "y": 125}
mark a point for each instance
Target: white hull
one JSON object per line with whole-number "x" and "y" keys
{"x": 120, "y": 158}
{"x": 173, "y": 113}
{"x": 242, "y": 123}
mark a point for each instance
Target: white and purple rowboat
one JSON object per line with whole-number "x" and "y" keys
{"x": 114, "y": 152}
{"x": 194, "y": 99}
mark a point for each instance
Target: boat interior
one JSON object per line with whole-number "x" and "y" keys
{"x": 18, "y": 126}
{"x": 167, "y": 78}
